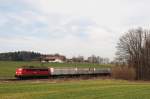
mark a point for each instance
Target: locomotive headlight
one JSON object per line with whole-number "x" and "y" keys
{"x": 19, "y": 73}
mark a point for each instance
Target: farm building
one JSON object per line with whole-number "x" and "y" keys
{"x": 53, "y": 58}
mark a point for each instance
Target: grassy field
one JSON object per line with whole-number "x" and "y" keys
{"x": 81, "y": 89}
{"x": 7, "y": 68}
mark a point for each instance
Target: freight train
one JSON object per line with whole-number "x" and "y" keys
{"x": 31, "y": 72}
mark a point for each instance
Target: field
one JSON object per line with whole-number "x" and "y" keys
{"x": 67, "y": 88}
{"x": 81, "y": 89}
{"x": 7, "y": 68}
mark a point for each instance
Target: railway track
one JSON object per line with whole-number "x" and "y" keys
{"x": 55, "y": 78}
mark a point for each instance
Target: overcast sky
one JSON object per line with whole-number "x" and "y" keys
{"x": 69, "y": 27}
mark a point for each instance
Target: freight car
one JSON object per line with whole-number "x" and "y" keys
{"x": 25, "y": 72}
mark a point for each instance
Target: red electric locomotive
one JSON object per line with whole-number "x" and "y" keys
{"x": 27, "y": 72}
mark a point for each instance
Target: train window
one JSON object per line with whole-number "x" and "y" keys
{"x": 43, "y": 69}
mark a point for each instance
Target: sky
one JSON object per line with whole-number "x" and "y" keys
{"x": 69, "y": 27}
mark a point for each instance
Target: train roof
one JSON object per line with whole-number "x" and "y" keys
{"x": 33, "y": 67}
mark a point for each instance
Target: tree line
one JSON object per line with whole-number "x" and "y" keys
{"x": 91, "y": 59}
{"x": 20, "y": 56}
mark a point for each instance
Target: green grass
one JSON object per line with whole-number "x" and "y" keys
{"x": 82, "y": 89}
{"x": 7, "y": 68}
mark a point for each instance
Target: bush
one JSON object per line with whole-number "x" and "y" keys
{"x": 123, "y": 72}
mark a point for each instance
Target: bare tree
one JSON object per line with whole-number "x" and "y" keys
{"x": 134, "y": 49}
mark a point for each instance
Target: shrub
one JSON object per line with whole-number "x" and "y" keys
{"x": 123, "y": 72}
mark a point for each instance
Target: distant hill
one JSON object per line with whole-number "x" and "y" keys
{"x": 20, "y": 56}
